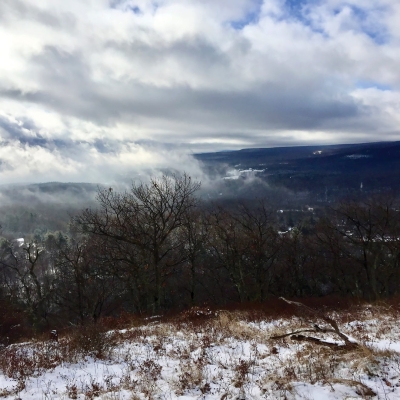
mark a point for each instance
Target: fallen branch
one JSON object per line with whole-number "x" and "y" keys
{"x": 316, "y": 328}
{"x": 301, "y": 338}
{"x": 292, "y": 333}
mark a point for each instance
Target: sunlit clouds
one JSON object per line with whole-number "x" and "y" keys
{"x": 95, "y": 90}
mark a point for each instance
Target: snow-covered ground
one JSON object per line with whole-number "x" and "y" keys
{"x": 230, "y": 356}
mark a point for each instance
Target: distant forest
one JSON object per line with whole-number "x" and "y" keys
{"x": 159, "y": 247}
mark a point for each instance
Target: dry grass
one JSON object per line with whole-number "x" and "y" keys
{"x": 225, "y": 354}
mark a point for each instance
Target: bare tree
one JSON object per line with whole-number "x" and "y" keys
{"x": 85, "y": 283}
{"x": 365, "y": 237}
{"x": 195, "y": 236}
{"x": 245, "y": 243}
{"x": 227, "y": 248}
{"x": 262, "y": 244}
{"x": 28, "y": 278}
{"x": 148, "y": 218}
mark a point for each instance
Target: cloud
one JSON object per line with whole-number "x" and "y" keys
{"x": 94, "y": 90}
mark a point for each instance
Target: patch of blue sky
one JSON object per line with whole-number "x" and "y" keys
{"x": 368, "y": 20}
{"x": 251, "y": 17}
{"x": 136, "y": 10}
{"x": 379, "y": 38}
{"x": 299, "y": 11}
{"x": 365, "y": 84}
{"x": 296, "y": 9}
{"x": 120, "y": 4}
{"x": 370, "y": 24}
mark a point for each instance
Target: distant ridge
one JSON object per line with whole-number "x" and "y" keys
{"x": 340, "y": 169}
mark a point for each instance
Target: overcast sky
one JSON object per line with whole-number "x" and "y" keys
{"x": 90, "y": 89}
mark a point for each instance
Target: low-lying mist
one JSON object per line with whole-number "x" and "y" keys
{"x": 34, "y": 209}
{"x": 38, "y": 208}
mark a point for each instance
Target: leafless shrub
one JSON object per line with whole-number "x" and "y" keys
{"x": 92, "y": 390}
{"x": 190, "y": 377}
{"x": 21, "y": 361}
{"x": 242, "y": 369}
{"x": 149, "y": 372}
{"x": 72, "y": 390}
{"x": 197, "y": 313}
{"x": 127, "y": 382}
{"x": 91, "y": 340}
{"x": 110, "y": 384}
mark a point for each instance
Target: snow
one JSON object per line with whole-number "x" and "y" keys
{"x": 19, "y": 242}
{"x": 385, "y": 345}
{"x": 357, "y": 156}
{"x": 226, "y": 357}
{"x": 246, "y": 173}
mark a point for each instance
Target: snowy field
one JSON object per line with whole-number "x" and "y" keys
{"x": 225, "y": 356}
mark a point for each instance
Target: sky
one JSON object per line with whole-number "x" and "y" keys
{"x": 94, "y": 90}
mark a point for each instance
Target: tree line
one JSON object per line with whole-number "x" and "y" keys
{"x": 158, "y": 247}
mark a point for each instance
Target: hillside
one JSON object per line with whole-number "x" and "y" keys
{"x": 207, "y": 355}
{"x": 327, "y": 172}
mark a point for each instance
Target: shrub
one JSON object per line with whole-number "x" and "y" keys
{"x": 13, "y": 326}
{"x": 91, "y": 340}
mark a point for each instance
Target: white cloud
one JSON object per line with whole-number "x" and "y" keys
{"x": 87, "y": 86}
